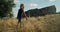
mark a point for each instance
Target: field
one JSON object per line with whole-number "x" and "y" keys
{"x": 48, "y": 23}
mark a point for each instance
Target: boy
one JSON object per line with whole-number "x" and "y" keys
{"x": 20, "y": 12}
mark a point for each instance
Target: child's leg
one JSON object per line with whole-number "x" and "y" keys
{"x": 18, "y": 22}
{"x": 17, "y": 26}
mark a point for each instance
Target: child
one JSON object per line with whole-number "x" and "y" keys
{"x": 20, "y": 12}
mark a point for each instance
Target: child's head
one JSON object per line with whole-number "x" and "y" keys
{"x": 22, "y": 6}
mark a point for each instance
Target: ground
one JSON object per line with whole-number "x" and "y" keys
{"x": 48, "y": 23}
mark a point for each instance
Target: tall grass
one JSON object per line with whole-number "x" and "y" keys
{"x": 48, "y": 23}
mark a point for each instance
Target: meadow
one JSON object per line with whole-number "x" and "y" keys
{"x": 48, "y": 23}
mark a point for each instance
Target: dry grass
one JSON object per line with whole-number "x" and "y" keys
{"x": 48, "y": 23}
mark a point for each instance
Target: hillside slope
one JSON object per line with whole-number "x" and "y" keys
{"x": 48, "y": 23}
{"x": 42, "y": 11}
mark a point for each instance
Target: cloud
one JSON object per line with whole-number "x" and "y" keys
{"x": 15, "y": 1}
{"x": 34, "y": 5}
{"x": 52, "y": 0}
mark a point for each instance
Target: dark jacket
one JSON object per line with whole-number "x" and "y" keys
{"x": 19, "y": 14}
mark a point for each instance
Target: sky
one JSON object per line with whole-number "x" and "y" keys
{"x": 31, "y": 4}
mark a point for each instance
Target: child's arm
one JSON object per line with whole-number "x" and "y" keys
{"x": 24, "y": 14}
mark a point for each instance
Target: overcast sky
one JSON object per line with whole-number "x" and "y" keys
{"x": 31, "y": 4}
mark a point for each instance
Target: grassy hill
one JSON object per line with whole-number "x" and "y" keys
{"x": 42, "y": 11}
{"x": 48, "y": 23}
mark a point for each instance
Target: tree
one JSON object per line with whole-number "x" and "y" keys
{"x": 6, "y": 8}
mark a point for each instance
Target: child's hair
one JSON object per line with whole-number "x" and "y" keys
{"x": 21, "y": 5}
